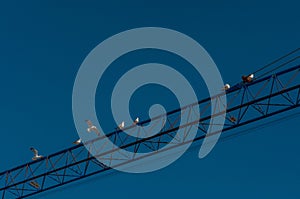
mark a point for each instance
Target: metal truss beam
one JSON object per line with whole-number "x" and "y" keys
{"x": 246, "y": 103}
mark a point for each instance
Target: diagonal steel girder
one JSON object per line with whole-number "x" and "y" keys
{"x": 246, "y": 103}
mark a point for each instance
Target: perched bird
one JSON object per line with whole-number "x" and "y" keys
{"x": 77, "y": 141}
{"x": 91, "y": 127}
{"x": 121, "y": 126}
{"x": 248, "y": 79}
{"x": 226, "y": 87}
{"x": 36, "y": 155}
{"x": 137, "y": 120}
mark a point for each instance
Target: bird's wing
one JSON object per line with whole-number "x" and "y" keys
{"x": 89, "y": 123}
{"x": 96, "y": 131}
{"x": 35, "y": 152}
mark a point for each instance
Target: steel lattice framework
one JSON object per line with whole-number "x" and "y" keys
{"x": 246, "y": 103}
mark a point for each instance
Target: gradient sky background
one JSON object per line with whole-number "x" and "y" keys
{"x": 42, "y": 45}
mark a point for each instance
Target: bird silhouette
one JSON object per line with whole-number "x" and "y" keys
{"x": 92, "y": 128}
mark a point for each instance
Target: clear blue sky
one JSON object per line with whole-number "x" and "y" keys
{"x": 42, "y": 45}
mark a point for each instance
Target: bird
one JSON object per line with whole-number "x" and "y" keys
{"x": 121, "y": 126}
{"x": 248, "y": 78}
{"x": 137, "y": 120}
{"x": 226, "y": 87}
{"x": 36, "y": 155}
{"x": 91, "y": 127}
{"x": 77, "y": 141}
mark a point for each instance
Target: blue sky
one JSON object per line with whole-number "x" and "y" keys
{"x": 44, "y": 43}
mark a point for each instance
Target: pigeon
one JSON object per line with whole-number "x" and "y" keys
{"x": 248, "y": 79}
{"x": 36, "y": 155}
{"x": 91, "y": 127}
{"x": 77, "y": 141}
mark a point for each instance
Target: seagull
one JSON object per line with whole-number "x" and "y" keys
{"x": 77, "y": 141}
{"x": 91, "y": 127}
{"x": 137, "y": 120}
{"x": 36, "y": 155}
{"x": 226, "y": 87}
{"x": 121, "y": 126}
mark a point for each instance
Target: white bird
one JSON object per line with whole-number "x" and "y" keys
{"x": 77, "y": 141}
{"x": 137, "y": 120}
{"x": 226, "y": 87}
{"x": 36, "y": 155}
{"x": 91, "y": 127}
{"x": 121, "y": 126}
